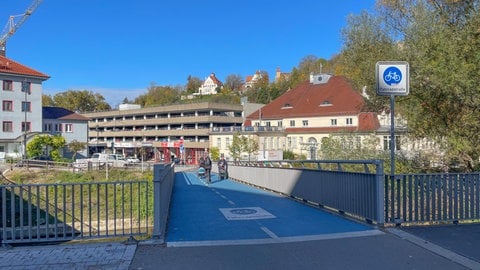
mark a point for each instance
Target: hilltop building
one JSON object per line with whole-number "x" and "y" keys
{"x": 210, "y": 86}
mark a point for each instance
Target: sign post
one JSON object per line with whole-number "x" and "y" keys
{"x": 392, "y": 79}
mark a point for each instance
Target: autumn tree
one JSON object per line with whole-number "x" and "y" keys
{"x": 193, "y": 84}
{"x": 440, "y": 40}
{"x": 233, "y": 82}
{"x": 76, "y": 146}
{"x": 80, "y": 101}
{"x": 159, "y": 95}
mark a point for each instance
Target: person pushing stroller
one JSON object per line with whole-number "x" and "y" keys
{"x": 222, "y": 167}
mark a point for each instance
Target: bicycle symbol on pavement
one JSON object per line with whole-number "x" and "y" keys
{"x": 392, "y": 76}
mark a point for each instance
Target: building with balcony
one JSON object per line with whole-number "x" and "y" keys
{"x": 21, "y": 96}
{"x": 160, "y": 133}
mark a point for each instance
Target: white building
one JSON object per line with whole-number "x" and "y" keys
{"x": 21, "y": 116}
{"x": 210, "y": 86}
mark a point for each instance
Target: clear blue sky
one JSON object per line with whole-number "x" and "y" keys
{"x": 118, "y": 47}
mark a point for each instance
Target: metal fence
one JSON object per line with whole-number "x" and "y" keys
{"x": 352, "y": 187}
{"x": 432, "y": 198}
{"x": 347, "y": 186}
{"x": 61, "y": 212}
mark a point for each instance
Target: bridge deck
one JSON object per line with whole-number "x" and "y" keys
{"x": 226, "y": 212}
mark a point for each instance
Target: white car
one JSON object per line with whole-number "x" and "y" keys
{"x": 132, "y": 160}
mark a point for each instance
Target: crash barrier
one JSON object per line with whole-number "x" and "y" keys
{"x": 350, "y": 187}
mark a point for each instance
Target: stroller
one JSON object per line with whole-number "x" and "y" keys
{"x": 201, "y": 172}
{"x": 222, "y": 172}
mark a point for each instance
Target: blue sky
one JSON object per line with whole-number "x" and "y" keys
{"x": 119, "y": 48}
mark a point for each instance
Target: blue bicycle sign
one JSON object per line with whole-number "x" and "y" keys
{"x": 392, "y": 76}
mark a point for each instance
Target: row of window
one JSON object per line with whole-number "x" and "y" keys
{"x": 333, "y": 122}
{"x": 49, "y": 127}
{"x": 7, "y": 106}
{"x": 7, "y": 126}
{"x": 8, "y": 86}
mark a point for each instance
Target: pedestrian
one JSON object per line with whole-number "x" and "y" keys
{"x": 208, "y": 167}
{"x": 222, "y": 167}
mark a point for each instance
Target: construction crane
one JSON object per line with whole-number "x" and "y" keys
{"x": 14, "y": 22}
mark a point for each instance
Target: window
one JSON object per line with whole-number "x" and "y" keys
{"x": 333, "y": 122}
{"x": 227, "y": 142}
{"x": 26, "y": 126}
{"x": 68, "y": 127}
{"x": 8, "y": 85}
{"x": 267, "y": 123}
{"x": 386, "y": 143}
{"x": 292, "y": 123}
{"x": 47, "y": 127}
{"x": 26, "y": 106}
{"x": 219, "y": 143}
{"x": 7, "y": 105}
{"x": 58, "y": 127}
{"x": 7, "y": 126}
{"x": 27, "y": 87}
{"x": 279, "y": 124}
{"x": 349, "y": 121}
{"x": 305, "y": 123}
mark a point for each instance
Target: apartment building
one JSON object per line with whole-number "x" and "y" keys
{"x": 163, "y": 132}
{"x": 21, "y": 97}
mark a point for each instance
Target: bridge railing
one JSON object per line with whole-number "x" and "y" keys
{"x": 351, "y": 187}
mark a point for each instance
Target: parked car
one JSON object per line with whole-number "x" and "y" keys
{"x": 132, "y": 160}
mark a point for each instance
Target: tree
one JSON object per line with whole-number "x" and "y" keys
{"x": 40, "y": 143}
{"x": 249, "y": 145}
{"x": 47, "y": 101}
{"x": 242, "y": 144}
{"x": 233, "y": 82}
{"x": 235, "y": 148}
{"x": 159, "y": 95}
{"x": 193, "y": 84}
{"x": 440, "y": 40}
{"x": 81, "y": 101}
{"x": 76, "y": 146}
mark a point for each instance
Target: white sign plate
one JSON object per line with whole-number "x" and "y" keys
{"x": 392, "y": 78}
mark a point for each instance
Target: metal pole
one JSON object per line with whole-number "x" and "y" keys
{"x": 96, "y": 147}
{"x": 25, "y": 90}
{"x": 392, "y": 134}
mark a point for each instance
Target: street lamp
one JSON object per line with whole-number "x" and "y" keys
{"x": 96, "y": 141}
{"x": 26, "y": 90}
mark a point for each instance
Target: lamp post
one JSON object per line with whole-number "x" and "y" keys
{"x": 96, "y": 141}
{"x": 26, "y": 90}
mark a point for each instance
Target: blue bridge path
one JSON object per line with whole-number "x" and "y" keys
{"x": 226, "y": 212}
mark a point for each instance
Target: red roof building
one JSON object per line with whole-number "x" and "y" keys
{"x": 21, "y": 106}
{"x": 299, "y": 119}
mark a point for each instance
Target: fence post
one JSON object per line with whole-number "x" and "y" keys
{"x": 157, "y": 181}
{"x": 163, "y": 177}
{"x": 380, "y": 190}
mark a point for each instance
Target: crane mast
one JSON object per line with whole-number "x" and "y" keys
{"x": 14, "y": 23}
